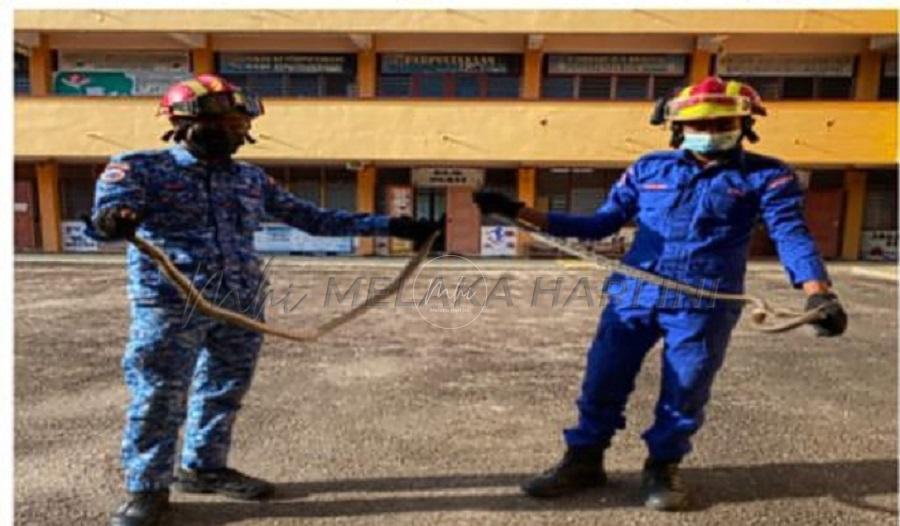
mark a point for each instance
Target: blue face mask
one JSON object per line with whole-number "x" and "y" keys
{"x": 710, "y": 142}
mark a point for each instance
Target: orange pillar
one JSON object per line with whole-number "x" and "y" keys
{"x": 203, "y": 59}
{"x": 531, "y": 74}
{"x": 366, "y": 72}
{"x": 40, "y": 68}
{"x": 527, "y": 194}
{"x": 365, "y": 203}
{"x": 49, "y": 205}
{"x": 855, "y": 199}
{"x": 700, "y": 62}
{"x": 868, "y": 75}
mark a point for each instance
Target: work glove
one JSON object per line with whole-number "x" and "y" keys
{"x": 834, "y": 321}
{"x": 117, "y": 223}
{"x": 417, "y": 230}
{"x": 497, "y": 203}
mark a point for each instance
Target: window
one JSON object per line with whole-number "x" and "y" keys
{"x": 119, "y": 73}
{"x": 574, "y": 190}
{"x": 881, "y": 201}
{"x": 291, "y": 74}
{"x": 22, "y": 82}
{"x": 76, "y": 186}
{"x": 791, "y": 76}
{"x": 887, "y": 89}
{"x": 449, "y": 75}
{"x": 605, "y": 77}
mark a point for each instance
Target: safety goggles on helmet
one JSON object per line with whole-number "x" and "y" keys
{"x": 215, "y": 104}
{"x": 713, "y": 98}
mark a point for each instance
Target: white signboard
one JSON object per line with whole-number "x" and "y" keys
{"x": 616, "y": 64}
{"x": 75, "y": 240}
{"x": 151, "y": 71}
{"x": 879, "y": 245}
{"x": 443, "y": 177}
{"x": 278, "y": 237}
{"x": 499, "y": 240}
{"x": 785, "y": 65}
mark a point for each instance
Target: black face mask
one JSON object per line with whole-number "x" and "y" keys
{"x": 213, "y": 140}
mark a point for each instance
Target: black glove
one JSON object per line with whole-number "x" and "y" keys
{"x": 418, "y": 230}
{"x": 497, "y": 203}
{"x": 117, "y": 223}
{"x": 834, "y": 321}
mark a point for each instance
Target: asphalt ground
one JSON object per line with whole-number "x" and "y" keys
{"x": 394, "y": 420}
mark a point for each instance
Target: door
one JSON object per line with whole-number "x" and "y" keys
{"x": 463, "y": 222}
{"x": 824, "y": 214}
{"x": 25, "y": 217}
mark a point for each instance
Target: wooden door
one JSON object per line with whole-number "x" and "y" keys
{"x": 824, "y": 214}
{"x": 25, "y": 226}
{"x": 463, "y": 222}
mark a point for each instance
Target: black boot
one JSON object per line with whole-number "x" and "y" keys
{"x": 580, "y": 468}
{"x": 142, "y": 509}
{"x": 662, "y": 488}
{"x": 226, "y": 481}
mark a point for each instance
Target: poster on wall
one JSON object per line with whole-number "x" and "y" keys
{"x": 407, "y": 63}
{"x": 616, "y": 65}
{"x": 253, "y": 63}
{"x": 399, "y": 203}
{"x": 278, "y": 237}
{"x": 444, "y": 177}
{"x": 75, "y": 240}
{"x": 785, "y": 65}
{"x": 119, "y": 73}
{"x": 499, "y": 240}
{"x": 879, "y": 245}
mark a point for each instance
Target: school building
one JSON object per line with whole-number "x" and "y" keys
{"x": 403, "y": 112}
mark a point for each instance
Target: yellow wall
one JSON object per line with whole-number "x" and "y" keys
{"x": 640, "y": 21}
{"x": 534, "y": 132}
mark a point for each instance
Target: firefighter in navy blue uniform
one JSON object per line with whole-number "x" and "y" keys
{"x": 202, "y": 208}
{"x": 695, "y": 207}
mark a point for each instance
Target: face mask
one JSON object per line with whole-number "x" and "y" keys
{"x": 710, "y": 142}
{"x": 214, "y": 141}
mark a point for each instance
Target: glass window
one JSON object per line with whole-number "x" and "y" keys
{"x": 392, "y": 86}
{"x": 881, "y": 201}
{"x": 558, "y": 87}
{"x": 76, "y": 186}
{"x": 798, "y": 88}
{"x": 632, "y": 87}
{"x": 430, "y": 86}
{"x": 502, "y": 87}
{"x": 306, "y": 183}
{"x": 340, "y": 189}
{"x": 291, "y": 74}
{"x": 467, "y": 86}
{"x": 887, "y": 89}
{"x": 594, "y": 87}
{"x": 835, "y": 88}
{"x": 22, "y": 82}
{"x": 666, "y": 86}
{"x": 449, "y": 75}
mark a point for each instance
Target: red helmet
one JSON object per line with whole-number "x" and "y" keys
{"x": 207, "y": 95}
{"x": 714, "y": 98}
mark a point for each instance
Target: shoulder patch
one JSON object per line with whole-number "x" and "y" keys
{"x": 115, "y": 172}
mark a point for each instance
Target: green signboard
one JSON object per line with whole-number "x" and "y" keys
{"x": 93, "y": 83}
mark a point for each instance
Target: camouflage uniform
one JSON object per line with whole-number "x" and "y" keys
{"x": 203, "y": 216}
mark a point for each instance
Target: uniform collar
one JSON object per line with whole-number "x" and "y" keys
{"x": 736, "y": 157}
{"x": 183, "y": 157}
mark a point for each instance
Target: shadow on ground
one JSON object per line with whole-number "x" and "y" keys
{"x": 849, "y": 482}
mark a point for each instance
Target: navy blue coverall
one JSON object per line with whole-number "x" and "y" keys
{"x": 694, "y": 225}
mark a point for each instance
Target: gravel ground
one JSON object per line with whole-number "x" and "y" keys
{"x": 392, "y": 421}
